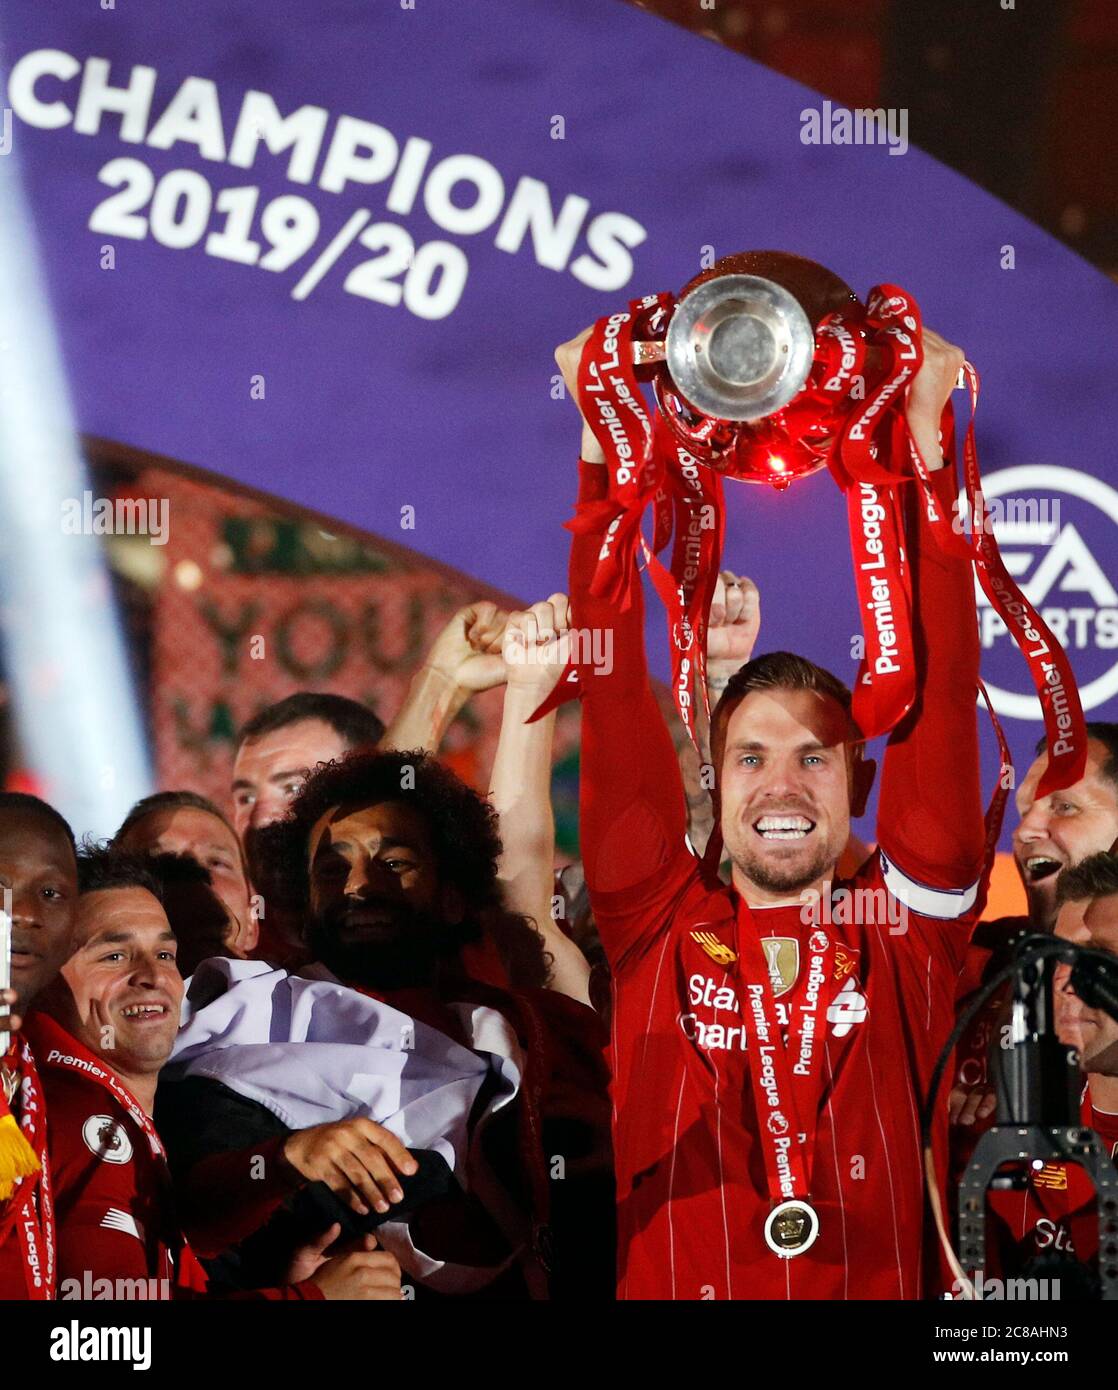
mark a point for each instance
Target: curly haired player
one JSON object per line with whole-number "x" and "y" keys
{"x": 393, "y": 862}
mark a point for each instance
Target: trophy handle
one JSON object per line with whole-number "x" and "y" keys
{"x": 647, "y": 354}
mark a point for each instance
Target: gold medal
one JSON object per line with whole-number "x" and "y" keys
{"x": 791, "y": 1228}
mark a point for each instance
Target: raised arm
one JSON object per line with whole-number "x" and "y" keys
{"x": 930, "y": 814}
{"x": 632, "y": 802}
{"x": 535, "y": 653}
{"x": 464, "y": 658}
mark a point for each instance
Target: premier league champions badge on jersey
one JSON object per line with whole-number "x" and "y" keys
{"x": 791, "y": 1228}
{"x": 782, "y": 956}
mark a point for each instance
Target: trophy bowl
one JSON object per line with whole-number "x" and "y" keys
{"x": 742, "y": 339}
{"x": 739, "y": 347}
{"x": 731, "y": 375}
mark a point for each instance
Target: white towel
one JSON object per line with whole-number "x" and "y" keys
{"x": 312, "y": 1051}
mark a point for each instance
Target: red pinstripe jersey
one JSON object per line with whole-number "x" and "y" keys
{"x": 1054, "y": 1214}
{"x": 114, "y": 1206}
{"x": 692, "y": 1192}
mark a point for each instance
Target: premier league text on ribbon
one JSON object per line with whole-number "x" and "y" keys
{"x": 462, "y": 193}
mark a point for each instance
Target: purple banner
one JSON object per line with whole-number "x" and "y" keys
{"x": 328, "y": 250}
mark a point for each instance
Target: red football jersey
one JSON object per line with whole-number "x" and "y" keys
{"x": 692, "y": 1190}
{"x": 1054, "y": 1213}
{"x": 118, "y": 1233}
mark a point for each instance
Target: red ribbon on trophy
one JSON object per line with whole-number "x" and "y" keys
{"x": 647, "y": 464}
{"x": 765, "y": 369}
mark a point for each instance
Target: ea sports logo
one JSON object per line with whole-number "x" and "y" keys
{"x": 1057, "y": 529}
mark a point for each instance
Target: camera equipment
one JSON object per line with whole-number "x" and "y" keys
{"x": 1038, "y": 1096}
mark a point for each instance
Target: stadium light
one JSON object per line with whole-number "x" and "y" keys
{"x": 64, "y": 657}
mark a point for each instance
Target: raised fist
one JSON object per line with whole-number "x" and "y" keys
{"x": 537, "y": 645}
{"x": 735, "y": 620}
{"x": 468, "y": 650}
{"x": 929, "y": 393}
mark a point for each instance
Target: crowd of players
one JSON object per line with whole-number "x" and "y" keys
{"x": 360, "y": 1042}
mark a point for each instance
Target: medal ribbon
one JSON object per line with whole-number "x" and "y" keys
{"x": 621, "y": 421}
{"x": 886, "y": 683}
{"x": 618, "y": 417}
{"x": 30, "y": 1209}
{"x": 786, "y": 1092}
{"x": 1065, "y": 729}
{"x": 73, "y": 1057}
{"x": 687, "y": 588}
{"x": 885, "y": 688}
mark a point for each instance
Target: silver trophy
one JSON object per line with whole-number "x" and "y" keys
{"x": 739, "y": 349}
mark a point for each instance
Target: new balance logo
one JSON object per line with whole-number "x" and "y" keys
{"x": 717, "y": 950}
{"x": 117, "y": 1220}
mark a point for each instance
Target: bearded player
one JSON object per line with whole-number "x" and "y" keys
{"x": 823, "y": 1198}
{"x": 1056, "y": 832}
